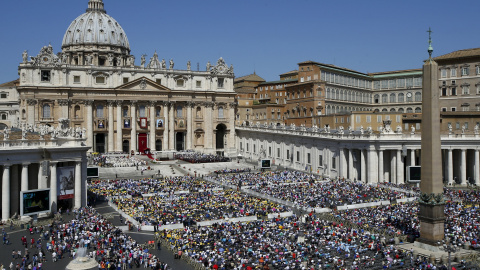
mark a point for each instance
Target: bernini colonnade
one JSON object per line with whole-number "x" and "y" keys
{"x": 370, "y": 158}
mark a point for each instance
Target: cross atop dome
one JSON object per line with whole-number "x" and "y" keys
{"x": 96, "y": 6}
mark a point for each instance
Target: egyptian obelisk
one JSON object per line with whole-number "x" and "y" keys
{"x": 431, "y": 200}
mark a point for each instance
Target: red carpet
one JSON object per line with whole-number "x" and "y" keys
{"x": 149, "y": 155}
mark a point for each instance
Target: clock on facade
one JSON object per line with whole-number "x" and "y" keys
{"x": 409, "y": 94}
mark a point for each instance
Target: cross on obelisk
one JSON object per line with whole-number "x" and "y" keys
{"x": 431, "y": 200}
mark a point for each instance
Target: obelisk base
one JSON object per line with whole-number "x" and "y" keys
{"x": 432, "y": 219}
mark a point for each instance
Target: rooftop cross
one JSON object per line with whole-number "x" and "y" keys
{"x": 430, "y": 48}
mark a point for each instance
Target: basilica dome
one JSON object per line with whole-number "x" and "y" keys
{"x": 96, "y": 28}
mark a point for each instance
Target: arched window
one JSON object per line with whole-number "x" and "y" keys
{"x": 220, "y": 112}
{"x": 401, "y": 97}
{"x": 141, "y": 111}
{"x": 418, "y": 96}
{"x": 179, "y": 111}
{"x": 384, "y": 110}
{"x": 376, "y": 98}
{"x": 401, "y": 110}
{"x": 4, "y": 116}
{"x": 24, "y": 114}
{"x": 158, "y": 111}
{"x": 392, "y": 98}
{"x": 198, "y": 113}
{"x": 328, "y": 93}
{"x": 409, "y": 110}
{"x": 384, "y": 98}
{"x": 99, "y": 111}
{"x": 76, "y": 112}
{"x": 46, "y": 111}
{"x": 125, "y": 111}
{"x": 392, "y": 109}
{"x": 418, "y": 110}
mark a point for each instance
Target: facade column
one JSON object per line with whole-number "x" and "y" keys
{"x": 476, "y": 173}
{"x": 119, "y": 142}
{"x": 171, "y": 128}
{"x": 393, "y": 166}
{"x": 41, "y": 178}
{"x": 350, "y": 164}
{"x": 189, "y": 126}
{"x": 165, "y": 126}
{"x": 450, "y": 167}
{"x": 208, "y": 126}
{"x": 463, "y": 167}
{"x": 53, "y": 186}
{"x": 231, "y": 120}
{"x": 153, "y": 126}
{"x": 381, "y": 170}
{"x": 363, "y": 166}
{"x": 372, "y": 165}
{"x": 111, "y": 126}
{"x": 6, "y": 192}
{"x": 78, "y": 184}
{"x": 412, "y": 157}
{"x": 31, "y": 111}
{"x": 400, "y": 168}
{"x": 89, "y": 105}
{"x": 133, "y": 125}
{"x": 24, "y": 183}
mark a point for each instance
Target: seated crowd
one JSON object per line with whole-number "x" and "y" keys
{"x": 194, "y": 157}
{"x": 117, "y": 161}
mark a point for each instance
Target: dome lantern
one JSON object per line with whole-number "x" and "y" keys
{"x": 96, "y": 6}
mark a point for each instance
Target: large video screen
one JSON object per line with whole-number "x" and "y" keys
{"x": 92, "y": 171}
{"x": 266, "y": 163}
{"x": 35, "y": 202}
{"x": 414, "y": 174}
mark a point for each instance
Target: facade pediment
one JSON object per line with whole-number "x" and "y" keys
{"x": 143, "y": 84}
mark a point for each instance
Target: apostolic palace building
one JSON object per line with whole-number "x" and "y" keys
{"x": 96, "y": 84}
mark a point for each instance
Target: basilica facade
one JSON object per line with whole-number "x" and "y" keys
{"x": 95, "y": 84}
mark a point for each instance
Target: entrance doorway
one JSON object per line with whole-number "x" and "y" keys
{"x": 126, "y": 146}
{"x": 142, "y": 142}
{"x": 100, "y": 143}
{"x": 180, "y": 141}
{"x": 158, "y": 145}
{"x": 220, "y": 136}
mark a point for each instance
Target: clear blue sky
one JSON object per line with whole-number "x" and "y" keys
{"x": 269, "y": 36}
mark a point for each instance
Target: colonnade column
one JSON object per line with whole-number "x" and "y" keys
{"x": 412, "y": 157}
{"x": 165, "y": 126}
{"x": 89, "y": 105}
{"x": 400, "y": 168}
{"x": 450, "y": 166}
{"x": 24, "y": 183}
{"x": 231, "y": 135}
{"x": 78, "y": 184}
{"x": 393, "y": 166}
{"x": 42, "y": 183}
{"x": 343, "y": 164}
{"x": 372, "y": 166}
{"x": 476, "y": 173}
{"x": 171, "y": 128}
{"x": 463, "y": 167}
{"x": 110, "y": 126}
{"x": 350, "y": 164}
{"x": 189, "y": 125}
{"x": 53, "y": 186}
{"x": 363, "y": 166}
{"x": 6, "y": 192}
{"x": 381, "y": 172}
{"x": 153, "y": 126}
{"x": 119, "y": 147}
{"x": 208, "y": 126}
{"x": 133, "y": 125}
{"x": 15, "y": 191}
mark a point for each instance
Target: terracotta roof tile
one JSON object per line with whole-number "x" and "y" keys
{"x": 459, "y": 54}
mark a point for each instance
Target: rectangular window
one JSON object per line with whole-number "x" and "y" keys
{"x": 221, "y": 82}
{"x": 254, "y": 148}
{"x": 444, "y": 73}
{"x": 334, "y": 163}
{"x": 369, "y": 119}
{"x": 409, "y": 82}
{"x": 444, "y": 109}
{"x": 477, "y": 70}
{"x": 309, "y": 78}
{"x": 358, "y": 119}
{"x": 125, "y": 80}
{"x": 453, "y": 72}
{"x": 278, "y": 152}
{"x": 308, "y": 158}
{"x": 180, "y": 83}
{"x": 288, "y": 154}
{"x": 158, "y": 81}
{"x": 379, "y": 119}
{"x": 444, "y": 92}
{"x": 465, "y": 90}
{"x": 457, "y": 125}
{"x": 466, "y": 125}
{"x": 398, "y": 119}
{"x": 302, "y": 79}
{"x": 241, "y": 146}
{"x": 320, "y": 160}
{"x": 417, "y": 126}
{"x": 465, "y": 71}
{"x": 76, "y": 79}
{"x": 454, "y": 91}
{"x": 248, "y": 148}
{"x": 478, "y": 89}
{"x": 298, "y": 156}
{"x": 269, "y": 151}
{"x": 45, "y": 75}
{"x": 3, "y": 95}
{"x": 454, "y": 109}
{"x": 100, "y": 80}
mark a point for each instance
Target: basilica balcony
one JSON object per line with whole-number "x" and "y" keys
{"x": 221, "y": 120}
{"x": 46, "y": 119}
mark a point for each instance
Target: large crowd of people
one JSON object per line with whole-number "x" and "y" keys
{"x": 116, "y": 161}
{"x": 195, "y": 157}
{"x": 105, "y": 243}
{"x": 290, "y": 242}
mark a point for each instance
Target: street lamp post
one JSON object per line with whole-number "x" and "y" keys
{"x": 449, "y": 248}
